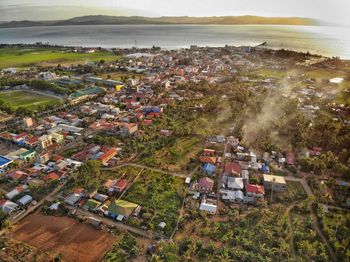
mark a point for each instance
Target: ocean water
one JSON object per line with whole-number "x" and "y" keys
{"x": 324, "y": 40}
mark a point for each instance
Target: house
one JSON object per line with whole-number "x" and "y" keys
{"x": 147, "y": 122}
{"x": 232, "y": 169}
{"x": 16, "y": 191}
{"x": 290, "y": 158}
{"x": 256, "y": 191}
{"x": 91, "y": 204}
{"x": 4, "y": 162}
{"x": 232, "y": 196}
{"x": 108, "y": 183}
{"x": 208, "y": 206}
{"x": 208, "y": 159}
{"x": 277, "y": 183}
{"x": 7, "y": 206}
{"x": 129, "y": 128}
{"x": 18, "y": 175}
{"x": 108, "y": 155}
{"x": 32, "y": 141}
{"x": 120, "y": 185}
{"x": 165, "y": 132}
{"x": 73, "y": 199}
{"x": 235, "y": 183}
{"x": 100, "y": 197}
{"x": 51, "y": 177}
{"x": 205, "y": 185}
{"x": 121, "y": 207}
{"x": 209, "y": 168}
{"x": 209, "y": 152}
{"x": 28, "y": 155}
{"x": 25, "y": 200}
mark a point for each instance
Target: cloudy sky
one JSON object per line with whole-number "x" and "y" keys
{"x": 336, "y": 11}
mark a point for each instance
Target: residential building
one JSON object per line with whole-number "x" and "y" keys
{"x": 277, "y": 183}
{"x": 256, "y": 191}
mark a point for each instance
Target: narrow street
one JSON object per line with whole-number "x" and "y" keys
{"x": 111, "y": 222}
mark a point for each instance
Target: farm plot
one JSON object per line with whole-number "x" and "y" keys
{"x": 65, "y": 236}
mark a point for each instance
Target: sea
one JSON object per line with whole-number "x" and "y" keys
{"x": 324, "y": 40}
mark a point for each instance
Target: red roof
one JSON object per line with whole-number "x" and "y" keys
{"x": 51, "y": 176}
{"x": 32, "y": 140}
{"x": 207, "y": 159}
{"x": 109, "y": 153}
{"x": 21, "y": 135}
{"x": 147, "y": 122}
{"x": 2, "y": 202}
{"x": 206, "y": 183}
{"x": 290, "y": 158}
{"x": 209, "y": 151}
{"x": 121, "y": 184}
{"x": 17, "y": 175}
{"x": 233, "y": 167}
{"x": 79, "y": 190}
{"x": 256, "y": 189}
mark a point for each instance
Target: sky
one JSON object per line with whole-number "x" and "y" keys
{"x": 335, "y": 11}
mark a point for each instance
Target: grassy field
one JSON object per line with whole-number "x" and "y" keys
{"x": 27, "y": 99}
{"x": 23, "y": 57}
{"x": 176, "y": 157}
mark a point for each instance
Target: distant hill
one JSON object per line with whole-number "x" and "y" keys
{"x": 133, "y": 20}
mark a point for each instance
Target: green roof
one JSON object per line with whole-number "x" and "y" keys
{"x": 94, "y": 90}
{"x": 92, "y": 204}
{"x": 28, "y": 153}
{"x": 122, "y": 207}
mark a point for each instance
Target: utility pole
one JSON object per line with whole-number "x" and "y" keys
{"x": 273, "y": 184}
{"x": 136, "y": 44}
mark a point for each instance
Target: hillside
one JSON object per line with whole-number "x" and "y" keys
{"x": 125, "y": 20}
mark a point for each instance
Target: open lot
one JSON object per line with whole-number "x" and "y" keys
{"x": 160, "y": 196}
{"x": 22, "y": 57}
{"x": 26, "y": 99}
{"x": 62, "y": 235}
{"x": 177, "y": 157}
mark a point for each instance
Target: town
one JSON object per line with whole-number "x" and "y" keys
{"x": 201, "y": 147}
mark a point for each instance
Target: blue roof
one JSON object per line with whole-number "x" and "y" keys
{"x": 209, "y": 168}
{"x": 4, "y": 161}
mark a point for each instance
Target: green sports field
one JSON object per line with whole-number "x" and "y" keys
{"x": 24, "y": 57}
{"x": 27, "y": 99}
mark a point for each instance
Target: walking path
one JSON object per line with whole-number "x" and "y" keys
{"x": 315, "y": 222}
{"x": 153, "y": 169}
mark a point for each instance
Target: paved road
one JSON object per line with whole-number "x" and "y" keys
{"x": 111, "y": 222}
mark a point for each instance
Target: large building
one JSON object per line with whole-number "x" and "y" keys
{"x": 108, "y": 155}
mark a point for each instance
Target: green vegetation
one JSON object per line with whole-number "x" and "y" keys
{"x": 305, "y": 239}
{"x": 123, "y": 250}
{"x": 4, "y": 220}
{"x": 26, "y": 99}
{"x": 24, "y": 57}
{"x": 177, "y": 156}
{"x": 91, "y": 175}
{"x": 160, "y": 196}
{"x": 336, "y": 225}
{"x": 293, "y": 192}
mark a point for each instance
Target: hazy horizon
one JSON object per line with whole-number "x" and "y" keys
{"x": 334, "y": 12}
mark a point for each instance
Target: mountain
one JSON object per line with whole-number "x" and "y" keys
{"x": 125, "y": 20}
